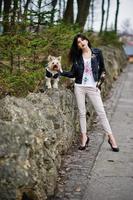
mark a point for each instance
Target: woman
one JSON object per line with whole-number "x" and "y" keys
{"x": 88, "y": 69}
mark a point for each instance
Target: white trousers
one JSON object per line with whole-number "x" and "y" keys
{"x": 95, "y": 97}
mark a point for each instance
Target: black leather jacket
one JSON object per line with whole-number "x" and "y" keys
{"x": 77, "y": 70}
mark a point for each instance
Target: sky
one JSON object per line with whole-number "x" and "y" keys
{"x": 125, "y": 13}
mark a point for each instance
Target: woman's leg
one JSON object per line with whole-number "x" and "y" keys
{"x": 80, "y": 98}
{"x": 95, "y": 97}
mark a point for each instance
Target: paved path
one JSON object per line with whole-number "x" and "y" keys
{"x": 98, "y": 173}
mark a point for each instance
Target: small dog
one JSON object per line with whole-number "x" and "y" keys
{"x": 54, "y": 65}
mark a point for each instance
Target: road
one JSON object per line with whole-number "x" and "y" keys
{"x": 98, "y": 173}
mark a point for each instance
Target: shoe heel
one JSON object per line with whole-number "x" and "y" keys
{"x": 115, "y": 149}
{"x": 87, "y": 142}
{"x": 81, "y": 148}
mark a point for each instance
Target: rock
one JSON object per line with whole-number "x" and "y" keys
{"x": 35, "y": 131}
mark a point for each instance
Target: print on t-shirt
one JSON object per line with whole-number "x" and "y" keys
{"x": 88, "y": 79}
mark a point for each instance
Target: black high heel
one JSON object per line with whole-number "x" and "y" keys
{"x": 87, "y": 141}
{"x": 86, "y": 144}
{"x": 115, "y": 149}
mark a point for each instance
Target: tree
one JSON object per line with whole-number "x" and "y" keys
{"x": 69, "y": 15}
{"x": 92, "y": 14}
{"x": 14, "y": 12}
{"x": 26, "y": 8}
{"x": 116, "y": 14}
{"x": 0, "y": 7}
{"x": 126, "y": 27}
{"x": 39, "y": 6}
{"x": 83, "y": 11}
{"x": 102, "y": 20}
{"x": 40, "y": 14}
{"x": 53, "y": 4}
{"x": 107, "y": 17}
{"x": 6, "y": 12}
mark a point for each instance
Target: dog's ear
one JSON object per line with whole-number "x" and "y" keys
{"x": 50, "y": 58}
{"x": 59, "y": 58}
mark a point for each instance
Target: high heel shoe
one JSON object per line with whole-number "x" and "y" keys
{"x": 87, "y": 141}
{"x": 86, "y": 144}
{"x": 115, "y": 149}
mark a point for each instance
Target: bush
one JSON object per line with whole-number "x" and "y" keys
{"x": 24, "y": 55}
{"x": 110, "y": 38}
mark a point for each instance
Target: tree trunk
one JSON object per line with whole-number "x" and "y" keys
{"x": 92, "y": 14}
{"x": 19, "y": 10}
{"x": 83, "y": 11}
{"x": 107, "y": 17}
{"x": 15, "y": 7}
{"x": 64, "y": 6}
{"x": 11, "y": 61}
{"x": 54, "y": 3}
{"x": 26, "y": 10}
{"x": 68, "y": 14}
{"x": 102, "y": 20}
{"x": 39, "y": 15}
{"x": 60, "y": 10}
{"x": 26, "y": 6}
{"x": 116, "y": 14}
{"x": 24, "y": 15}
{"x": 6, "y": 10}
{"x": 0, "y": 7}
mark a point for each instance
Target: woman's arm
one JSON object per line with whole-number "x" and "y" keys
{"x": 102, "y": 69}
{"x": 69, "y": 74}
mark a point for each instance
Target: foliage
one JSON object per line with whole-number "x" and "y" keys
{"x": 110, "y": 37}
{"x": 22, "y": 83}
{"x": 23, "y": 57}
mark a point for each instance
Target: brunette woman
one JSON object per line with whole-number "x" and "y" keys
{"x": 89, "y": 71}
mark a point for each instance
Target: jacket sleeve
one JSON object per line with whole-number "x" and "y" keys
{"x": 101, "y": 64}
{"x": 69, "y": 74}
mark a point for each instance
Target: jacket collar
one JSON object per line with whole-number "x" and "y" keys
{"x": 80, "y": 60}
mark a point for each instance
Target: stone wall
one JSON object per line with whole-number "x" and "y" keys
{"x": 35, "y": 131}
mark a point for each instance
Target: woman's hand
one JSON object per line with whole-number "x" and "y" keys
{"x": 103, "y": 76}
{"x": 100, "y": 82}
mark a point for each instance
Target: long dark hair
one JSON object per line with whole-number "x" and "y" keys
{"x": 75, "y": 52}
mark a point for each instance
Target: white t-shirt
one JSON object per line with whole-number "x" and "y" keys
{"x": 88, "y": 79}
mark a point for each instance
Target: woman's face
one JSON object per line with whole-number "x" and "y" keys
{"x": 82, "y": 43}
